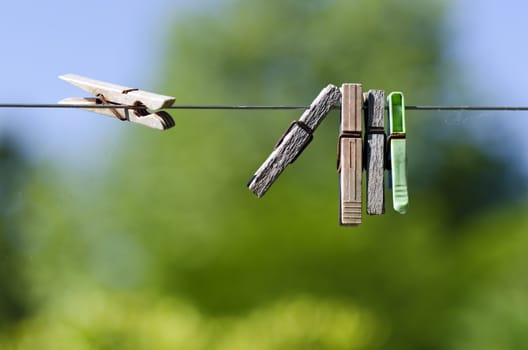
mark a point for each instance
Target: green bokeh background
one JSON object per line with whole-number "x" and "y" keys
{"x": 167, "y": 249}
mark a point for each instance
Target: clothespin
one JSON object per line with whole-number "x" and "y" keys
{"x": 350, "y": 155}
{"x": 294, "y": 141}
{"x": 398, "y": 152}
{"x": 375, "y": 151}
{"x": 107, "y": 93}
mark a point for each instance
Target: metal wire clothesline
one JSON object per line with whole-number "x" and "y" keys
{"x": 253, "y": 107}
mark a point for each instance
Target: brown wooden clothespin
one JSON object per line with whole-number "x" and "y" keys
{"x": 350, "y": 156}
{"x": 294, "y": 140}
{"x": 375, "y": 151}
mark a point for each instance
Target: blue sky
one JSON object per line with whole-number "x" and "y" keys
{"x": 488, "y": 41}
{"x": 489, "y": 38}
{"x": 121, "y": 41}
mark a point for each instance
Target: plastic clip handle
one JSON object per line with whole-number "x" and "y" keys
{"x": 398, "y": 151}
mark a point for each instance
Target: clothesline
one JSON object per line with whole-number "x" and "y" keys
{"x": 252, "y": 107}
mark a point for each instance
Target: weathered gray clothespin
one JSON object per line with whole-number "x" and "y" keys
{"x": 111, "y": 94}
{"x": 350, "y": 156}
{"x": 294, "y": 141}
{"x": 375, "y": 151}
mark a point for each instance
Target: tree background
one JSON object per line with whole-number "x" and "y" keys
{"x": 166, "y": 248}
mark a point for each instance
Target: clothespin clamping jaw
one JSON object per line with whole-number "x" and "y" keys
{"x": 398, "y": 152}
{"x": 139, "y": 102}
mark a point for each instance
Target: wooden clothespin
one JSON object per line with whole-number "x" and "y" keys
{"x": 107, "y": 93}
{"x": 294, "y": 140}
{"x": 375, "y": 151}
{"x": 350, "y": 155}
{"x": 398, "y": 152}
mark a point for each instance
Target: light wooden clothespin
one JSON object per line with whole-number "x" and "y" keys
{"x": 375, "y": 151}
{"x": 350, "y": 155}
{"x": 294, "y": 140}
{"x": 111, "y": 94}
{"x": 398, "y": 151}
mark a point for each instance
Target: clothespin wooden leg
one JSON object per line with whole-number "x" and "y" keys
{"x": 294, "y": 141}
{"x": 375, "y": 151}
{"x": 350, "y": 155}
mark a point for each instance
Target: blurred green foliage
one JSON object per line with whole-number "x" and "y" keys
{"x": 168, "y": 249}
{"x": 13, "y": 298}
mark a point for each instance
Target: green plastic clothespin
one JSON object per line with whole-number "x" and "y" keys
{"x": 398, "y": 152}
